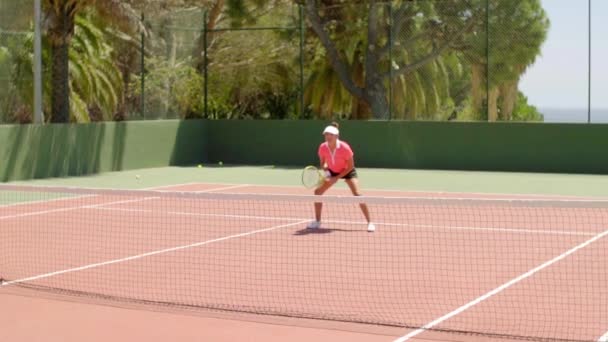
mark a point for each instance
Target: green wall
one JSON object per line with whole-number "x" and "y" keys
{"x": 572, "y": 148}
{"x": 268, "y": 142}
{"x": 32, "y": 151}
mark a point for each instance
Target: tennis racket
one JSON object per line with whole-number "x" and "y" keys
{"x": 312, "y": 177}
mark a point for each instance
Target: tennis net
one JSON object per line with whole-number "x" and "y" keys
{"x": 522, "y": 268}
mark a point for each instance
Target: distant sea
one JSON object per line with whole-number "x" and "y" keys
{"x": 574, "y": 115}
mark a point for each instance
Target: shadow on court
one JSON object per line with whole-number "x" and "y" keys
{"x": 307, "y": 231}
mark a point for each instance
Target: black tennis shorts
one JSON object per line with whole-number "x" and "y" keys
{"x": 352, "y": 174}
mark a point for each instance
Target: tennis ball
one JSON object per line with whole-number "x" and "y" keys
{"x": 221, "y": 163}
{"x": 200, "y": 165}
{"x": 136, "y": 176}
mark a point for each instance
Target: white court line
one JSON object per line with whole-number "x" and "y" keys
{"x": 139, "y": 256}
{"x": 24, "y": 203}
{"x": 35, "y": 213}
{"x": 604, "y": 338}
{"x": 170, "y": 186}
{"x": 266, "y": 218}
{"x": 236, "y": 186}
{"x": 500, "y": 288}
{"x": 275, "y": 218}
{"x": 503, "y": 195}
{"x": 295, "y": 197}
{"x": 501, "y": 230}
{"x": 50, "y": 211}
{"x": 518, "y": 197}
{"x": 43, "y": 201}
{"x": 160, "y": 187}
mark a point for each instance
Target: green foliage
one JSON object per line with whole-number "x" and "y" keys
{"x": 255, "y": 74}
{"x": 524, "y": 111}
{"x": 15, "y": 18}
{"x": 517, "y": 30}
{"x": 170, "y": 90}
{"x": 94, "y": 77}
{"x": 8, "y": 95}
{"x": 95, "y": 81}
{"x": 22, "y": 81}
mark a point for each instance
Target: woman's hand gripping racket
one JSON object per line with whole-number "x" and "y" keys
{"x": 313, "y": 177}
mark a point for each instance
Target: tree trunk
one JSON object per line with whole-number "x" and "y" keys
{"x": 477, "y": 87}
{"x": 167, "y": 82}
{"x": 212, "y": 19}
{"x": 493, "y": 104}
{"x": 127, "y": 62}
{"x": 376, "y": 98}
{"x": 61, "y": 30}
{"x": 360, "y": 109}
{"x": 509, "y": 93}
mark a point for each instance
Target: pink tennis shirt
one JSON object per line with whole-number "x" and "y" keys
{"x": 336, "y": 161}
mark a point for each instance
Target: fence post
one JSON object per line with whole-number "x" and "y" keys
{"x": 302, "y": 27}
{"x": 38, "y": 114}
{"x": 143, "y": 67}
{"x": 390, "y": 60}
{"x": 589, "y": 71}
{"x": 205, "y": 62}
{"x": 488, "y": 59}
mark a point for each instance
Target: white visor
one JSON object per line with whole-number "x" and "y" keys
{"x": 331, "y": 130}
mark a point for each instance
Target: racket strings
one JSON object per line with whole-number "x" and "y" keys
{"x": 311, "y": 177}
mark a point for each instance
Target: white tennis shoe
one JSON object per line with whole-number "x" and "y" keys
{"x": 371, "y": 227}
{"x": 314, "y": 225}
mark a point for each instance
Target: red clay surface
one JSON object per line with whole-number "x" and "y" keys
{"x": 45, "y": 320}
{"x": 422, "y": 263}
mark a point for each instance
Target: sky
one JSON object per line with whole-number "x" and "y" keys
{"x": 559, "y": 77}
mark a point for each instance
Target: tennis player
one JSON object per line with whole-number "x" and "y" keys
{"x": 336, "y": 157}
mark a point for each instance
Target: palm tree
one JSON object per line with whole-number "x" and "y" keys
{"x": 95, "y": 82}
{"x": 421, "y": 67}
{"x": 15, "y": 17}
{"x": 424, "y": 93}
{"x": 517, "y": 31}
{"x": 423, "y": 33}
{"x": 59, "y": 24}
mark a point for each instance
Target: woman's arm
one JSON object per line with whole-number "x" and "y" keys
{"x": 322, "y": 163}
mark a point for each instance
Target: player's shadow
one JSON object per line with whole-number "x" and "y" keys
{"x": 307, "y": 231}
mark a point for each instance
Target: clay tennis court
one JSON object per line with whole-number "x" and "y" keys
{"x": 485, "y": 268}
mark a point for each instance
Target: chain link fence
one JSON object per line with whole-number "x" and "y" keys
{"x": 439, "y": 60}
{"x": 16, "y": 50}
{"x": 252, "y": 65}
